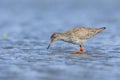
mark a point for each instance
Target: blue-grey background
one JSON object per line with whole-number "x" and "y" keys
{"x": 28, "y": 25}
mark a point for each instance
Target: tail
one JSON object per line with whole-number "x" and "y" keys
{"x": 103, "y": 28}
{"x": 100, "y": 29}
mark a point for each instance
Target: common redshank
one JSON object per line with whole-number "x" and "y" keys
{"x": 76, "y": 36}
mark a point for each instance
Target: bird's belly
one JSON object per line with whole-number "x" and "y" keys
{"x": 76, "y": 41}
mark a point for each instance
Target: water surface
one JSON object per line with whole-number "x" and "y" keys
{"x": 29, "y": 24}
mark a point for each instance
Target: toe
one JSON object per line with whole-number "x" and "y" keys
{"x": 76, "y": 52}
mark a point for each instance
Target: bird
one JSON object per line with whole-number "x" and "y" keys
{"x": 77, "y": 36}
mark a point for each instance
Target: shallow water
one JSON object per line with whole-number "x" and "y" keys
{"x": 29, "y": 24}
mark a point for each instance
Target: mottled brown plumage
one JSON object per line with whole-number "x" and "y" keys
{"x": 76, "y": 35}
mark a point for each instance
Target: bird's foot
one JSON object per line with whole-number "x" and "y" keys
{"x": 75, "y": 52}
{"x": 81, "y": 51}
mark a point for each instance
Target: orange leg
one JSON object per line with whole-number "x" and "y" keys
{"x": 79, "y": 51}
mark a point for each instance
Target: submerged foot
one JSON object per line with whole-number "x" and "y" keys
{"x": 78, "y": 52}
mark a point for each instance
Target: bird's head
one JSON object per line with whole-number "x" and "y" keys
{"x": 54, "y": 37}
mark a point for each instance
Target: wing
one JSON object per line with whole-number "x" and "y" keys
{"x": 82, "y": 32}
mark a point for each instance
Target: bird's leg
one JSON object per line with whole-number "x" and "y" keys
{"x": 79, "y": 51}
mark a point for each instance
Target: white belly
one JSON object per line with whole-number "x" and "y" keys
{"x": 78, "y": 41}
{"x": 75, "y": 41}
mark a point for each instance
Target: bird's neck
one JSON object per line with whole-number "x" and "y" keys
{"x": 63, "y": 37}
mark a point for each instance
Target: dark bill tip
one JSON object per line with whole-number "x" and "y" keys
{"x": 48, "y": 46}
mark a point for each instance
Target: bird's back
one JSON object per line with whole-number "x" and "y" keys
{"x": 82, "y": 33}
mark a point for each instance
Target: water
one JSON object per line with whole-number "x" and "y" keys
{"x": 29, "y": 24}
